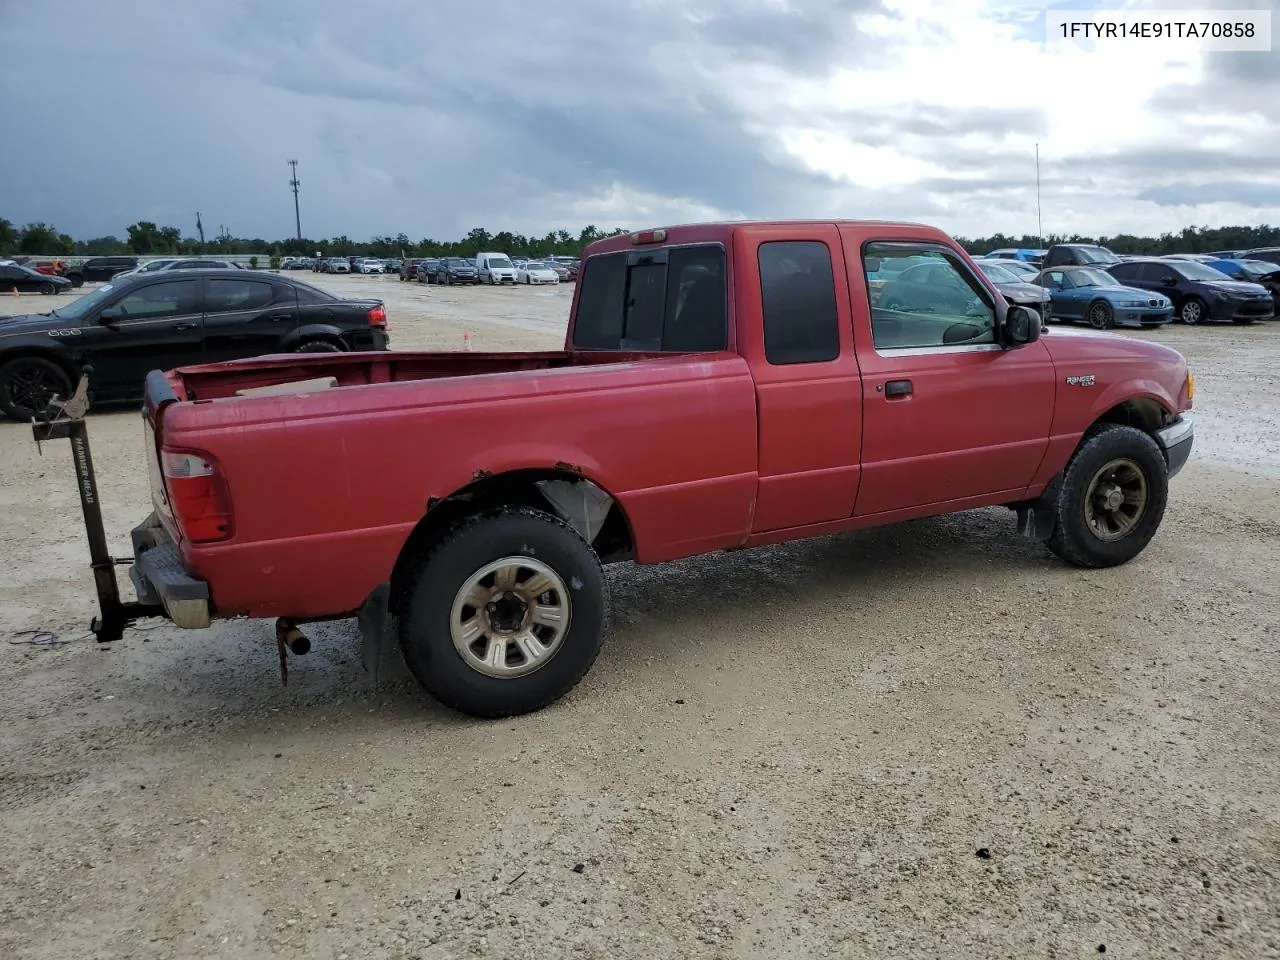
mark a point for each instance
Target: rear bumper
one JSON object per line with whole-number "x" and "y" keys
{"x": 160, "y": 579}
{"x": 1176, "y": 440}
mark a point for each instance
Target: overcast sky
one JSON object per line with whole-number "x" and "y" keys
{"x": 431, "y": 117}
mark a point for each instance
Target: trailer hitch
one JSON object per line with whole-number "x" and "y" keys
{"x": 64, "y": 420}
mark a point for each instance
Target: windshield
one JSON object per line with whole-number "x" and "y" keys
{"x": 537, "y": 265}
{"x": 499, "y": 262}
{"x": 1197, "y": 271}
{"x": 1259, "y": 268}
{"x": 999, "y": 274}
{"x": 1096, "y": 255}
{"x": 78, "y": 308}
{"x": 1093, "y": 278}
{"x": 459, "y": 262}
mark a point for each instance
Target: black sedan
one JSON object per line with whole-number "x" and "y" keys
{"x": 1198, "y": 292}
{"x": 1016, "y": 290}
{"x": 148, "y": 321}
{"x": 15, "y": 276}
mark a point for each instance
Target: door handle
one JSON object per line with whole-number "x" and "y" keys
{"x": 186, "y": 326}
{"x": 897, "y": 388}
{"x": 281, "y": 316}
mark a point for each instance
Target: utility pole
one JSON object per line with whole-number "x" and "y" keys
{"x": 297, "y": 219}
{"x": 200, "y": 230}
{"x": 1039, "y": 221}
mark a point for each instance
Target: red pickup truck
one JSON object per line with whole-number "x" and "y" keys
{"x": 722, "y": 386}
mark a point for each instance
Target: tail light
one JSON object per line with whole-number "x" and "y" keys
{"x": 649, "y": 236}
{"x": 197, "y": 495}
{"x": 378, "y": 316}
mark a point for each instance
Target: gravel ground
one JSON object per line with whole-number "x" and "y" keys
{"x": 926, "y": 740}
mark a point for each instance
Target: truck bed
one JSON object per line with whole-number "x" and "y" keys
{"x": 214, "y": 381}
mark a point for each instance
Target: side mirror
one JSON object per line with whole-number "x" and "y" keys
{"x": 1021, "y": 325}
{"x": 111, "y": 315}
{"x": 872, "y": 264}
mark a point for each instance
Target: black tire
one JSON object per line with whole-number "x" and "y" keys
{"x": 1100, "y": 315}
{"x": 1192, "y": 311}
{"x": 1074, "y": 539}
{"x": 27, "y": 384}
{"x": 47, "y": 289}
{"x": 439, "y": 576}
{"x": 317, "y": 346}
{"x": 77, "y": 280}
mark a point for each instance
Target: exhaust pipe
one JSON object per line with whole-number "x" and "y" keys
{"x": 289, "y": 639}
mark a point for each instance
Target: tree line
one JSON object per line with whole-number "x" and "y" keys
{"x": 145, "y": 237}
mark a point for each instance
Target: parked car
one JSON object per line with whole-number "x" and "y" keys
{"x": 98, "y": 269}
{"x": 1023, "y": 254}
{"x": 1198, "y": 292}
{"x": 495, "y": 268}
{"x": 1093, "y": 294}
{"x": 168, "y": 319}
{"x": 336, "y": 265}
{"x": 934, "y": 284}
{"x": 456, "y": 270}
{"x": 561, "y": 270}
{"x": 1252, "y": 271}
{"x": 535, "y": 271}
{"x": 409, "y": 268}
{"x": 1015, "y": 289}
{"x": 1024, "y": 269}
{"x": 24, "y": 279}
{"x": 1270, "y": 254}
{"x": 429, "y": 271}
{"x": 1197, "y": 257}
{"x": 165, "y": 264}
{"x": 1079, "y": 255}
{"x": 790, "y": 410}
{"x": 368, "y": 265}
{"x": 392, "y": 265}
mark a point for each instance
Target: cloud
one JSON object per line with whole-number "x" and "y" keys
{"x": 432, "y": 119}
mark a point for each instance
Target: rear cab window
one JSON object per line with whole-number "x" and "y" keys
{"x": 666, "y": 299}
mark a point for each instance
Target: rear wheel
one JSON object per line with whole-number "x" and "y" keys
{"x": 77, "y": 280}
{"x": 1113, "y": 497}
{"x": 317, "y": 346}
{"x": 505, "y": 614}
{"x": 27, "y": 384}
{"x": 48, "y": 289}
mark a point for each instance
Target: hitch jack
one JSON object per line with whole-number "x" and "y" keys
{"x": 67, "y": 423}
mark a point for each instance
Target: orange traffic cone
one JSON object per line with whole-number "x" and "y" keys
{"x": 466, "y": 341}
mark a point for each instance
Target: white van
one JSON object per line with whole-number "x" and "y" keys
{"x": 495, "y": 268}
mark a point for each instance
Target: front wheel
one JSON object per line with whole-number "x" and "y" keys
{"x": 1100, "y": 316}
{"x": 1192, "y": 311}
{"x": 47, "y": 289}
{"x": 505, "y": 614}
{"x": 1113, "y": 497}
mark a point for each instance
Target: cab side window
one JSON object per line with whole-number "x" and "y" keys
{"x": 1054, "y": 280}
{"x": 798, "y": 298}
{"x": 925, "y": 297}
{"x": 160, "y": 300}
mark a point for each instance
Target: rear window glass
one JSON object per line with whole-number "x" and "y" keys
{"x": 669, "y": 299}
